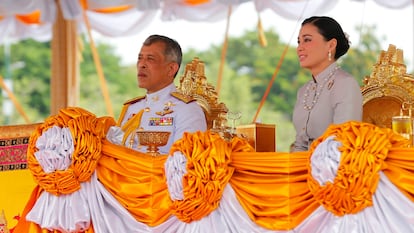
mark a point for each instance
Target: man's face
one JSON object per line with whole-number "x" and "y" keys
{"x": 154, "y": 71}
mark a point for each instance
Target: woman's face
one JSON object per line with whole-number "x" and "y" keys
{"x": 313, "y": 49}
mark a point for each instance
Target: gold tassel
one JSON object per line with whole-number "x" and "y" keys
{"x": 131, "y": 126}
{"x": 262, "y": 36}
{"x": 80, "y": 48}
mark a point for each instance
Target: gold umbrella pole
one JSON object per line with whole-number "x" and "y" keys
{"x": 98, "y": 66}
{"x": 223, "y": 53}
{"x": 14, "y": 100}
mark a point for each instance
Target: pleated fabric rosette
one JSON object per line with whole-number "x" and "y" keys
{"x": 63, "y": 154}
{"x": 198, "y": 171}
{"x": 355, "y": 178}
{"x": 346, "y": 178}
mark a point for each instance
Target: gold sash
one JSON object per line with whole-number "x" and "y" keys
{"x": 131, "y": 125}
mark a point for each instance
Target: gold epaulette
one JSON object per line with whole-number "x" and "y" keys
{"x": 185, "y": 98}
{"x": 134, "y": 100}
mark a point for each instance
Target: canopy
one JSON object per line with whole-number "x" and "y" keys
{"x": 62, "y": 20}
{"x": 34, "y": 18}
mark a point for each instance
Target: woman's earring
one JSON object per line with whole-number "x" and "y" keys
{"x": 329, "y": 56}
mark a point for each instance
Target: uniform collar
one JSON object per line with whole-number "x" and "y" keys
{"x": 161, "y": 94}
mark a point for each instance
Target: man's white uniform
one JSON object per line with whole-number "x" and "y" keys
{"x": 164, "y": 111}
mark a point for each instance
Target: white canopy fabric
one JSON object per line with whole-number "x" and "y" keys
{"x": 59, "y": 21}
{"x": 34, "y": 19}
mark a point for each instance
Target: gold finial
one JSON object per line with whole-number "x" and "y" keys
{"x": 389, "y": 75}
{"x": 390, "y": 64}
{"x": 3, "y": 223}
{"x": 262, "y": 36}
{"x": 399, "y": 56}
{"x": 194, "y": 84}
{"x": 200, "y": 69}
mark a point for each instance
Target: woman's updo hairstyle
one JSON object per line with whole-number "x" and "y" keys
{"x": 329, "y": 29}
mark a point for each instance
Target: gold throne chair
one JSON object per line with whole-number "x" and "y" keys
{"x": 387, "y": 89}
{"x": 194, "y": 83}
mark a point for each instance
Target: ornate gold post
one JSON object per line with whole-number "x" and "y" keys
{"x": 65, "y": 64}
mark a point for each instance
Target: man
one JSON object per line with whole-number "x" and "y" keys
{"x": 161, "y": 109}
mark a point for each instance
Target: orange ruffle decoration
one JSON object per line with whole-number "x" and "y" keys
{"x": 208, "y": 172}
{"x": 363, "y": 151}
{"x": 196, "y": 2}
{"x": 87, "y": 132}
{"x": 32, "y": 18}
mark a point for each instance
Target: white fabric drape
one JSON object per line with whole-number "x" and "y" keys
{"x": 391, "y": 212}
{"x": 395, "y": 4}
{"x": 74, "y": 212}
{"x": 93, "y": 204}
{"x": 12, "y": 7}
{"x": 13, "y": 30}
{"x": 142, "y": 12}
{"x": 125, "y": 23}
{"x": 296, "y": 9}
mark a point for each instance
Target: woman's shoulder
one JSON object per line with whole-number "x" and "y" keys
{"x": 343, "y": 76}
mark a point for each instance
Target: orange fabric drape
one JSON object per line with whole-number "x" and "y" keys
{"x": 137, "y": 181}
{"x": 32, "y": 18}
{"x": 275, "y": 189}
{"x": 272, "y": 188}
{"x": 400, "y": 169}
{"x": 196, "y": 2}
{"x": 114, "y": 9}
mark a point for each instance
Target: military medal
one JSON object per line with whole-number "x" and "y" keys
{"x": 167, "y": 109}
{"x": 161, "y": 121}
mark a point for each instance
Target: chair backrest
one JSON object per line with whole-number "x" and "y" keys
{"x": 387, "y": 89}
{"x": 194, "y": 83}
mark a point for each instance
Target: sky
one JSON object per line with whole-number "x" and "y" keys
{"x": 395, "y": 25}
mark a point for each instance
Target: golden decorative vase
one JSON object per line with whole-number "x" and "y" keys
{"x": 152, "y": 140}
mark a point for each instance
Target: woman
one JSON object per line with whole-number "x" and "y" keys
{"x": 332, "y": 96}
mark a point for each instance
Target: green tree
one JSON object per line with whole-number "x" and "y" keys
{"x": 249, "y": 69}
{"x": 361, "y": 58}
{"x": 248, "y": 57}
{"x": 31, "y": 81}
{"x": 120, "y": 81}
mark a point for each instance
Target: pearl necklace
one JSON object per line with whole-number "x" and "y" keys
{"x": 319, "y": 87}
